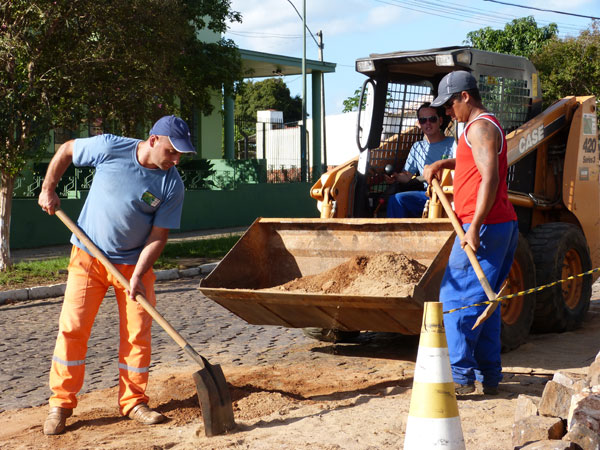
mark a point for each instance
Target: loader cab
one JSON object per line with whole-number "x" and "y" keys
{"x": 398, "y": 83}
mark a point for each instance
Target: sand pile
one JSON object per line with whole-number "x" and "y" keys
{"x": 384, "y": 275}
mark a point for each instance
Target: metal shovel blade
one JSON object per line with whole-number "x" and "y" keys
{"x": 215, "y": 400}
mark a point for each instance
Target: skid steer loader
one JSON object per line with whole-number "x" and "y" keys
{"x": 553, "y": 183}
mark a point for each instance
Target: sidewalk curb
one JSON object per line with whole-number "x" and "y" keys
{"x": 58, "y": 290}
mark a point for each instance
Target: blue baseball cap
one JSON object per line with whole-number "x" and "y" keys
{"x": 454, "y": 83}
{"x": 177, "y": 131}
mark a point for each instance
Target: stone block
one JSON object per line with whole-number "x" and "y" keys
{"x": 189, "y": 273}
{"x": 536, "y": 428}
{"x": 593, "y": 377}
{"x": 527, "y": 405}
{"x": 208, "y": 268}
{"x": 556, "y": 400}
{"x": 551, "y": 445}
{"x": 585, "y": 410}
{"x": 584, "y": 437}
{"x": 54, "y": 290}
{"x": 14, "y": 295}
{"x": 575, "y": 401}
{"x": 163, "y": 275}
{"x": 572, "y": 380}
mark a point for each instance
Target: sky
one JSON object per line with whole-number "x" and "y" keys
{"x": 356, "y": 28}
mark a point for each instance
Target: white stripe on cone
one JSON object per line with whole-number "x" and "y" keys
{"x": 429, "y": 367}
{"x": 438, "y": 434}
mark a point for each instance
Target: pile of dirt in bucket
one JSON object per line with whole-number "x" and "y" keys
{"x": 385, "y": 274}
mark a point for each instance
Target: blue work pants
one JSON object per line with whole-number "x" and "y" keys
{"x": 406, "y": 204}
{"x": 475, "y": 354}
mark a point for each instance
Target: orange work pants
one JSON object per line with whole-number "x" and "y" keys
{"x": 87, "y": 284}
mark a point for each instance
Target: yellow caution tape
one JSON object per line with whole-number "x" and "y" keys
{"x": 528, "y": 291}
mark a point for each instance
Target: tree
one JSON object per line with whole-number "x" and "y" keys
{"x": 520, "y": 37}
{"x": 128, "y": 63}
{"x": 351, "y": 103}
{"x": 570, "y": 66}
{"x": 271, "y": 93}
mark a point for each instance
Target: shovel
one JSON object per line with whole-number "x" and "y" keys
{"x": 211, "y": 386}
{"x": 491, "y": 295}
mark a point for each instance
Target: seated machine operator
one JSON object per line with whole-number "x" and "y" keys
{"x": 433, "y": 147}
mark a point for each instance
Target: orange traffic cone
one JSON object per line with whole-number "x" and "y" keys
{"x": 433, "y": 420}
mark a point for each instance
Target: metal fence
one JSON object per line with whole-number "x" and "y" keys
{"x": 198, "y": 175}
{"x": 276, "y": 142}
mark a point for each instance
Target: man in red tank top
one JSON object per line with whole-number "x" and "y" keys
{"x": 490, "y": 224}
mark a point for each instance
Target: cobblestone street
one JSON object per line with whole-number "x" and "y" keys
{"x": 30, "y": 327}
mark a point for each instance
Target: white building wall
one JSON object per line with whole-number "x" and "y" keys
{"x": 340, "y": 132}
{"x": 282, "y": 146}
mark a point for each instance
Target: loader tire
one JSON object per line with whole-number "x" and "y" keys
{"x": 517, "y": 313}
{"x": 560, "y": 251}
{"x": 330, "y": 334}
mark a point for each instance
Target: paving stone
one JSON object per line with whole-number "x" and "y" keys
{"x": 584, "y": 437}
{"x": 551, "y": 445}
{"x": 585, "y": 410}
{"x": 536, "y": 428}
{"x": 28, "y": 341}
{"x": 594, "y": 373}
{"x": 527, "y": 405}
{"x": 556, "y": 400}
{"x": 572, "y": 380}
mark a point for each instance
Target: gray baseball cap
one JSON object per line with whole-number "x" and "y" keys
{"x": 453, "y": 83}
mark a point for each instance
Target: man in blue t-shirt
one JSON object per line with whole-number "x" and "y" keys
{"x": 135, "y": 198}
{"x": 433, "y": 147}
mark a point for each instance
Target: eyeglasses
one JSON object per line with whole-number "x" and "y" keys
{"x": 432, "y": 119}
{"x": 451, "y": 100}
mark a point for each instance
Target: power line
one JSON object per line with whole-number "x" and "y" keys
{"x": 456, "y": 11}
{"x": 446, "y": 10}
{"x": 545, "y": 10}
{"x": 484, "y": 14}
{"x": 400, "y": 4}
{"x": 256, "y": 34}
{"x": 301, "y": 18}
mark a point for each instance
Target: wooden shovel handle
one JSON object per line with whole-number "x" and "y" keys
{"x": 489, "y": 292}
{"x": 121, "y": 279}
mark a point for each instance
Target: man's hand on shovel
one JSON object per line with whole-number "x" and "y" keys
{"x": 489, "y": 292}
{"x": 135, "y": 287}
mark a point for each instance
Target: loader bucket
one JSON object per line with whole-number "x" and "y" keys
{"x": 275, "y": 251}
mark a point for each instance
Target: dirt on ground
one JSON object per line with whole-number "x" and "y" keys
{"x": 357, "y": 397}
{"x": 386, "y": 275}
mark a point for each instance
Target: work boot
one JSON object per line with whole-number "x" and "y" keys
{"x": 143, "y": 414}
{"x": 56, "y": 420}
{"x": 463, "y": 389}
{"x": 490, "y": 390}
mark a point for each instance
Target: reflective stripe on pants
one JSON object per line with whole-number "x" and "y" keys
{"x": 87, "y": 284}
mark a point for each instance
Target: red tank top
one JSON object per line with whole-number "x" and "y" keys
{"x": 467, "y": 180}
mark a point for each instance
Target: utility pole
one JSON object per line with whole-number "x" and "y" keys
{"x": 303, "y": 160}
{"x": 323, "y": 121}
